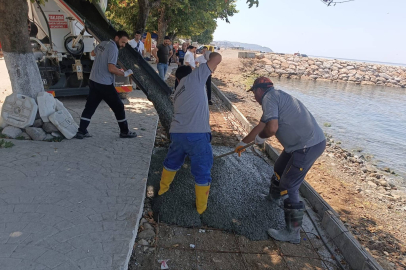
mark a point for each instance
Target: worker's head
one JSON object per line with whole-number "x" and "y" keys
{"x": 137, "y": 36}
{"x": 204, "y": 49}
{"x": 121, "y": 38}
{"x": 182, "y": 72}
{"x": 167, "y": 41}
{"x": 192, "y": 48}
{"x": 259, "y": 87}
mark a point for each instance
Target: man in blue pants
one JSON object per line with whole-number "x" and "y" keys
{"x": 303, "y": 140}
{"x": 190, "y": 130}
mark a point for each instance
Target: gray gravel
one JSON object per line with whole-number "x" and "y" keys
{"x": 236, "y": 201}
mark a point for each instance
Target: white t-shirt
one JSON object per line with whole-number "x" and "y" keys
{"x": 201, "y": 59}
{"x": 190, "y": 58}
{"x": 134, "y": 44}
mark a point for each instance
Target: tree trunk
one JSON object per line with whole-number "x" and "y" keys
{"x": 144, "y": 9}
{"x": 22, "y": 68}
{"x": 162, "y": 25}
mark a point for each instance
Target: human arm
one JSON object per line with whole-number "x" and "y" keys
{"x": 270, "y": 129}
{"x": 154, "y": 53}
{"x": 93, "y": 53}
{"x": 116, "y": 71}
{"x": 170, "y": 53}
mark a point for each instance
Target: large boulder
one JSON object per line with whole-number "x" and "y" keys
{"x": 37, "y": 134}
{"x": 48, "y": 127}
{"x": 11, "y": 132}
{"x": 46, "y": 105}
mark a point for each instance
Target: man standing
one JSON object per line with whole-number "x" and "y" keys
{"x": 303, "y": 140}
{"x": 190, "y": 131}
{"x": 137, "y": 44}
{"x": 101, "y": 84}
{"x": 190, "y": 57}
{"x": 201, "y": 60}
{"x": 181, "y": 54}
{"x": 162, "y": 53}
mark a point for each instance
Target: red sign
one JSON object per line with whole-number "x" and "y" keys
{"x": 57, "y": 21}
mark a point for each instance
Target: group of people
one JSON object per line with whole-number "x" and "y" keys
{"x": 283, "y": 116}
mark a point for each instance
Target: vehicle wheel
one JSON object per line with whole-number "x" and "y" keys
{"x": 75, "y": 51}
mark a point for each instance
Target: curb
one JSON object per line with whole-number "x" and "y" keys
{"x": 357, "y": 257}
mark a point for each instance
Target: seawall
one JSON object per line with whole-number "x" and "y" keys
{"x": 298, "y": 67}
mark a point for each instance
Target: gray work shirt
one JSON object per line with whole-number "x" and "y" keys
{"x": 191, "y": 109}
{"x": 106, "y": 53}
{"x": 297, "y": 128}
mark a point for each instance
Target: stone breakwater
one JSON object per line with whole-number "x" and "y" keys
{"x": 297, "y": 67}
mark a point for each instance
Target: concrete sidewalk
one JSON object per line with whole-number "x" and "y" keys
{"x": 76, "y": 204}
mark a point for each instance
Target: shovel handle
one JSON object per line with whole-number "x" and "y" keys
{"x": 232, "y": 152}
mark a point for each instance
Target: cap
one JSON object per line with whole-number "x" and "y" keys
{"x": 261, "y": 82}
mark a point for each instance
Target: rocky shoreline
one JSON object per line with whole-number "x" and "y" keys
{"x": 383, "y": 182}
{"x": 298, "y": 67}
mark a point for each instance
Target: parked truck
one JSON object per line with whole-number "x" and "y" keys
{"x": 62, "y": 48}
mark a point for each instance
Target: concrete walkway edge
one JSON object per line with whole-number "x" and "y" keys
{"x": 355, "y": 254}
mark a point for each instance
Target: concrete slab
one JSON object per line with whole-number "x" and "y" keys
{"x": 76, "y": 204}
{"x": 235, "y": 201}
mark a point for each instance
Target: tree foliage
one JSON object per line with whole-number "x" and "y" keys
{"x": 174, "y": 17}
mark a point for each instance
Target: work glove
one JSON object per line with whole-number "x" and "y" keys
{"x": 128, "y": 72}
{"x": 238, "y": 149}
{"x": 259, "y": 140}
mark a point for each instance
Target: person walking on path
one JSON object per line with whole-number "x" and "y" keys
{"x": 190, "y": 57}
{"x": 190, "y": 131}
{"x": 162, "y": 53}
{"x": 137, "y": 44}
{"x": 303, "y": 140}
{"x": 201, "y": 60}
{"x": 101, "y": 84}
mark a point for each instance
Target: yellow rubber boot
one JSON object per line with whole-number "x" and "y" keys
{"x": 166, "y": 180}
{"x": 202, "y": 195}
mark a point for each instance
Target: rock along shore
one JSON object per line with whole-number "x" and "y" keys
{"x": 298, "y": 67}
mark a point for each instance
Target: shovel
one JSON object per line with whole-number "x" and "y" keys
{"x": 232, "y": 152}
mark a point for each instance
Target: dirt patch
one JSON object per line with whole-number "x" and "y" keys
{"x": 372, "y": 209}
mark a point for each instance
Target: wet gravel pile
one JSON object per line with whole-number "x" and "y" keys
{"x": 236, "y": 201}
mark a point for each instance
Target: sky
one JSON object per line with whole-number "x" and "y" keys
{"x": 372, "y": 30}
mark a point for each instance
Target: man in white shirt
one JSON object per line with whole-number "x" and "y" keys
{"x": 190, "y": 57}
{"x": 137, "y": 44}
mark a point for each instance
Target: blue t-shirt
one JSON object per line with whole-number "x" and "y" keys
{"x": 297, "y": 128}
{"x": 181, "y": 54}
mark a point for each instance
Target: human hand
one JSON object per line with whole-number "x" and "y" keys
{"x": 128, "y": 72}
{"x": 259, "y": 140}
{"x": 238, "y": 148}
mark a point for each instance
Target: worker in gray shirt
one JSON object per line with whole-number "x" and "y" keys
{"x": 190, "y": 130}
{"x": 101, "y": 84}
{"x": 303, "y": 140}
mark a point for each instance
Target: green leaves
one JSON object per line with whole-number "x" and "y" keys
{"x": 251, "y": 3}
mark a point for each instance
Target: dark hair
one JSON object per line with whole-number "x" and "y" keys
{"x": 205, "y": 47}
{"x": 182, "y": 72}
{"x": 121, "y": 34}
{"x": 167, "y": 37}
{"x": 137, "y": 33}
{"x": 191, "y": 47}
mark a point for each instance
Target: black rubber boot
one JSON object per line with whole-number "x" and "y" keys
{"x": 293, "y": 218}
{"x": 275, "y": 194}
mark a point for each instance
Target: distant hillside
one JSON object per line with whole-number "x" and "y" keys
{"x": 247, "y": 46}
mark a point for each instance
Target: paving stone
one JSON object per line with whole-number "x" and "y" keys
{"x": 56, "y": 211}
